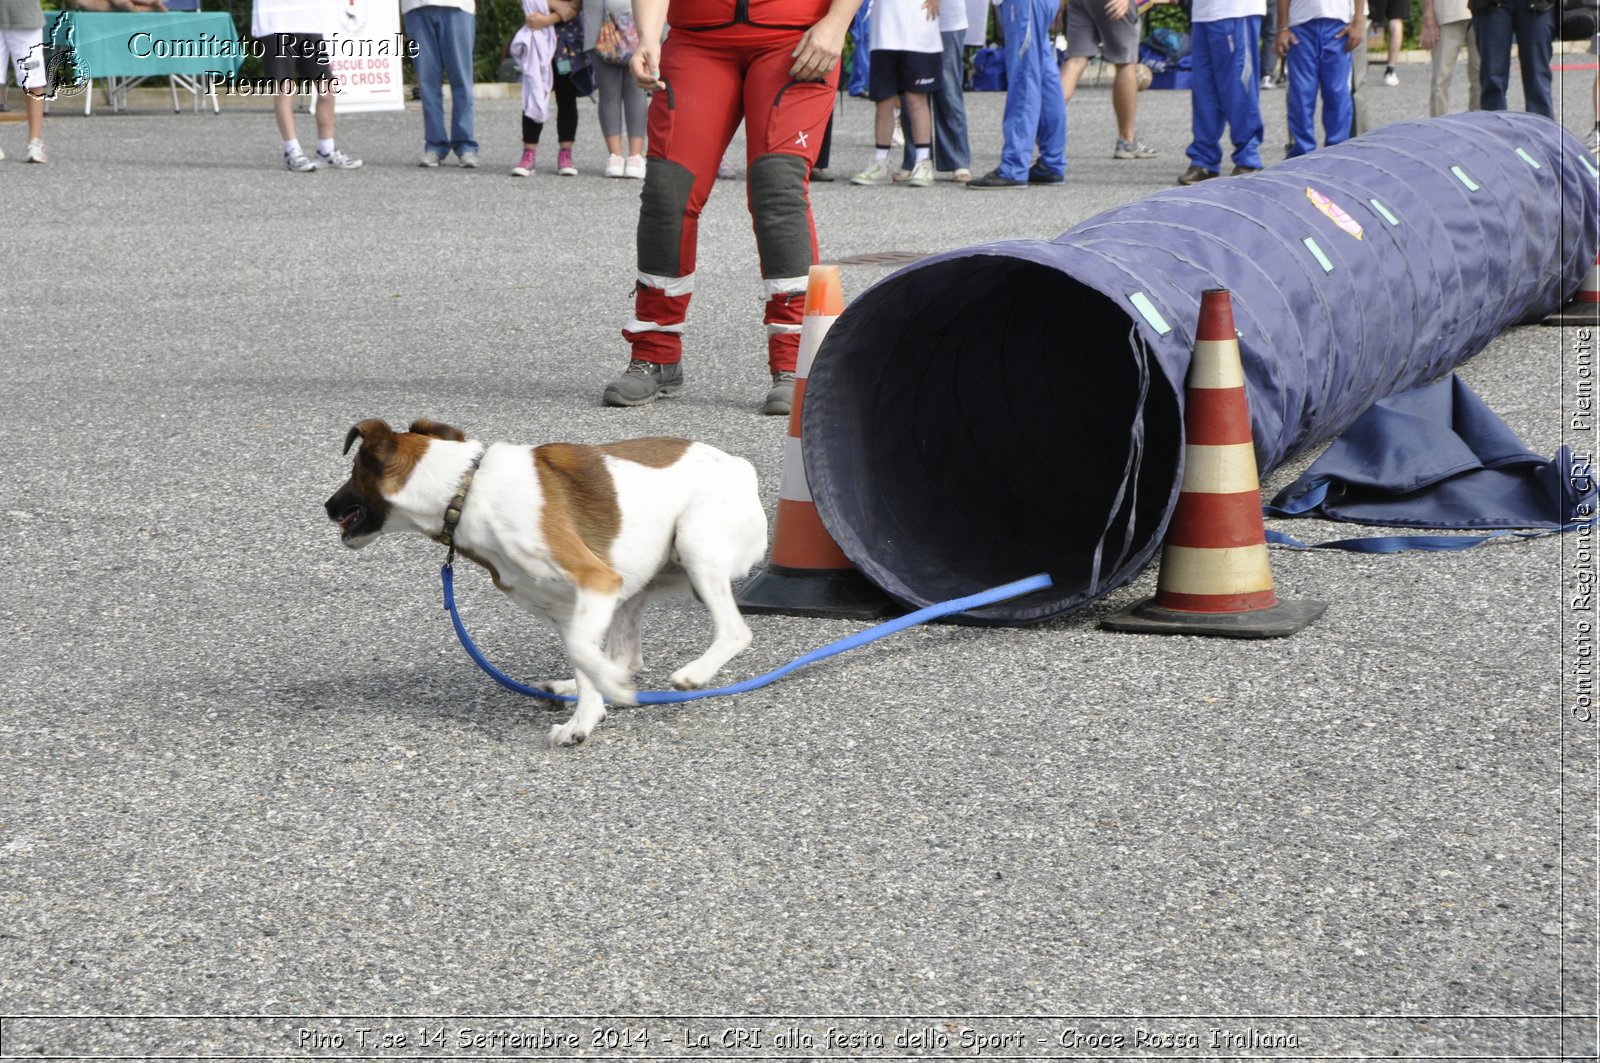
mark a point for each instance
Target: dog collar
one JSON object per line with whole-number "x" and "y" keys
{"x": 452, "y": 511}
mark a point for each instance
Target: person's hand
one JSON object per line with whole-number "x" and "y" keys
{"x": 932, "y": 8}
{"x": 1283, "y": 42}
{"x": 1352, "y": 35}
{"x": 645, "y": 66}
{"x": 563, "y": 10}
{"x": 1430, "y": 33}
{"x": 820, "y": 48}
{"x": 1116, "y": 9}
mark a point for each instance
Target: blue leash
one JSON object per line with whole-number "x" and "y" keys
{"x": 669, "y": 697}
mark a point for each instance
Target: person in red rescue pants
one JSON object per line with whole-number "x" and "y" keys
{"x": 774, "y": 64}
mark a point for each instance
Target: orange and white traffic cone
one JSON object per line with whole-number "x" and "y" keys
{"x": 1584, "y": 309}
{"x": 1216, "y": 578}
{"x": 807, "y": 574}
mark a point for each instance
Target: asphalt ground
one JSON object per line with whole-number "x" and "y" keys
{"x": 248, "y": 772}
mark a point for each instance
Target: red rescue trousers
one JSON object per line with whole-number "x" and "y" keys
{"x": 716, "y": 78}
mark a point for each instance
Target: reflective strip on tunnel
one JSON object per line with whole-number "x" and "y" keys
{"x": 1461, "y": 175}
{"x": 1529, "y": 159}
{"x": 1148, "y": 311}
{"x": 1316, "y": 252}
{"x": 1384, "y": 211}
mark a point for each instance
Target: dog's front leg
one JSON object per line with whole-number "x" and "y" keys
{"x": 590, "y": 711}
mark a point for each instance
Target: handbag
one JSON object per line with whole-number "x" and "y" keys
{"x": 618, "y": 39}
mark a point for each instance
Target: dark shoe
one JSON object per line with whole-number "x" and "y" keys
{"x": 1240, "y": 171}
{"x": 821, "y": 175}
{"x": 1038, "y": 175}
{"x": 780, "y": 400}
{"x": 994, "y": 179}
{"x": 1195, "y": 174}
{"x": 642, "y": 383}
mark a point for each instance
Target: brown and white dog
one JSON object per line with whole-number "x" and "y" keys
{"x": 581, "y": 535}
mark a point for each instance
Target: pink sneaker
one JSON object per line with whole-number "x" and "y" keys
{"x": 525, "y": 167}
{"x": 564, "y": 165}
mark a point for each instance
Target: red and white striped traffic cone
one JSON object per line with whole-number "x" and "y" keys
{"x": 1584, "y": 309}
{"x": 807, "y": 574}
{"x": 1216, "y": 578}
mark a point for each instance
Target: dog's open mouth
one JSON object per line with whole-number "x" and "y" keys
{"x": 351, "y": 518}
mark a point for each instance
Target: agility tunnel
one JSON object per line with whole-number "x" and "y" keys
{"x": 1016, "y": 407}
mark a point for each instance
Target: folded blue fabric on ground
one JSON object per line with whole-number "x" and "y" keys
{"x": 1438, "y": 457}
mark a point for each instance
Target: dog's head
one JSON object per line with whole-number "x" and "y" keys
{"x": 382, "y": 466}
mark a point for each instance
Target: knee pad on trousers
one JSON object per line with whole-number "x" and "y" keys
{"x": 665, "y": 197}
{"x": 777, "y": 185}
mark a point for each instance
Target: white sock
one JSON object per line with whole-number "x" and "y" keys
{"x": 924, "y": 154}
{"x": 291, "y": 147}
{"x": 880, "y": 154}
{"x": 324, "y": 147}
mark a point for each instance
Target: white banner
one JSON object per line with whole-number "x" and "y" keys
{"x": 366, "y": 51}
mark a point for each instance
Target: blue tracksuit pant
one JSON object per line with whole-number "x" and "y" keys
{"x": 1319, "y": 63}
{"x": 1035, "y": 112}
{"x": 1225, "y": 89}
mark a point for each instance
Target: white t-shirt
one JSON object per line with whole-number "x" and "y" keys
{"x": 903, "y": 26}
{"x": 1217, "y": 10}
{"x": 952, "y": 16}
{"x": 294, "y": 16}
{"x": 1306, "y": 10}
{"x": 469, "y": 6}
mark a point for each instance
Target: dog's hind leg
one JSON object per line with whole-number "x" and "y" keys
{"x": 590, "y": 711}
{"x": 591, "y": 616}
{"x": 622, "y": 642}
{"x": 730, "y": 634}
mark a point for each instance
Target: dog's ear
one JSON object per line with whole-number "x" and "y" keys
{"x": 438, "y": 430}
{"x": 377, "y": 438}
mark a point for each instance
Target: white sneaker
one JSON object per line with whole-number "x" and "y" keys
{"x": 2, "y": 154}
{"x": 879, "y": 173}
{"x": 921, "y": 174}
{"x": 1390, "y": 78}
{"x": 430, "y": 160}
{"x": 338, "y": 160}
{"x": 633, "y": 167}
{"x": 615, "y": 166}
{"x": 299, "y": 162}
{"x": 35, "y": 152}
{"x": 469, "y": 160}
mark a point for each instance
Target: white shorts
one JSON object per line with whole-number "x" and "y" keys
{"x": 22, "y": 53}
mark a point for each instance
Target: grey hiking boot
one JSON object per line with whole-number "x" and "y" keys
{"x": 642, "y": 383}
{"x": 780, "y": 400}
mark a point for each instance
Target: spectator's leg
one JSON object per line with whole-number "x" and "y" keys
{"x": 1494, "y": 56}
{"x": 457, "y": 31}
{"x": 424, "y": 27}
{"x": 951, "y": 150}
{"x": 1205, "y": 103}
{"x": 1535, "y": 32}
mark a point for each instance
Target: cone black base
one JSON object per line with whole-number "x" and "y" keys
{"x": 830, "y": 594}
{"x": 1147, "y": 618}
{"x": 1576, "y": 313}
